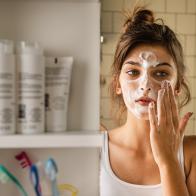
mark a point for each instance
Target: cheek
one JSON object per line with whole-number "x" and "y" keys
{"x": 156, "y": 86}
{"x": 129, "y": 90}
{"x": 129, "y": 86}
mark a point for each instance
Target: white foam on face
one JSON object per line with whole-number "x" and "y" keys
{"x": 131, "y": 95}
{"x": 132, "y": 88}
{"x": 148, "y": 59}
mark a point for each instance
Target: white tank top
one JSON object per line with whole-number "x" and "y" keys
{"x": 111, "y": 185}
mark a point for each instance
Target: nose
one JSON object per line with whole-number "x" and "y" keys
{"x": 145, "y": 86}
{"x": 145, "y": 89}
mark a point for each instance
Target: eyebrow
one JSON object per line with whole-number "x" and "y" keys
{"x": 163, "y": 63}
{"x": 138, "y": 64}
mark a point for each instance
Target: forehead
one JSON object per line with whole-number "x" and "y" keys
{"x": 159, "y": 52}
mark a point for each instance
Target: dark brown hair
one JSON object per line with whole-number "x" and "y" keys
{"x": 141, "y": 27}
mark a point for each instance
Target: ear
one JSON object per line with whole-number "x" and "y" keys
{"x": 117, "y": 86}
{"x": 118, "y": 90}
{"x": 177, "y": 91}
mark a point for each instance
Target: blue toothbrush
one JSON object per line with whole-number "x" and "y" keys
{"x": 51, "y": 171}
{"x": 35, "y": 179}
{"x": 6, "y": 176}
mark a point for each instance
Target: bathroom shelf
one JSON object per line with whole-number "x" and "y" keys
{"x": 70, "y": 139}
{"x": 63, "y": 28}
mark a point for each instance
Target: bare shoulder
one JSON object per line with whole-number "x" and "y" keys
{"x": 189, "y": 152}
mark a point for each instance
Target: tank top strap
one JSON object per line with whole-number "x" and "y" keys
{"x": 104, "y": 149}
{"x": 181, "y": 158}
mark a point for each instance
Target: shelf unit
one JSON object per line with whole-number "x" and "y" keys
{"x": 63, "y": 28}
{"x": 71, "y": 139}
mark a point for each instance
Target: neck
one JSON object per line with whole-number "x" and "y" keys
{"x": 137, "y": 133}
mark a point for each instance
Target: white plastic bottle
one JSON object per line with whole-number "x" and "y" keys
{"x": 30, "y": 88}
{"x": 58, "y": 79}
{"x": 7, "y": 88}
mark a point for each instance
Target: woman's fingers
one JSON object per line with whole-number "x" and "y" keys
{"x": 161, "y": 107}
{"x": 153, "y": 118}
{"x": 174, "y": 108}
{"x": 167, "y": 103}
{"x": 183, "y": 122}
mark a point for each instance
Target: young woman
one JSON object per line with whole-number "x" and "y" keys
{"x": 149, "y": 155}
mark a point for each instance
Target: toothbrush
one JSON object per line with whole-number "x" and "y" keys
{"x": 25, "y": 162}
{"x": 23, "y": 159}
{"x": 6, "y": 176}
{"x": 34, "y": 175}
{"x": 51, "y": 171}
{"x": 44, "y": 181}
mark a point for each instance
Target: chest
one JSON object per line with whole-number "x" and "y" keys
{"x": 132, "y": 167}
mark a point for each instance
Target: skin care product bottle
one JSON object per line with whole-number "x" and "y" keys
{"x": 30, "y": 88}
{"x": 7, "y": 88}
{"x": 58, "y": 78}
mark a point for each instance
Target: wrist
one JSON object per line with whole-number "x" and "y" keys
{"x": 169, "y": 165}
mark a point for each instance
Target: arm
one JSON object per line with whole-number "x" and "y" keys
{"x": 166, "y": 133}
{"x": 190, "y": 151}
{"x": 172, "y": 180}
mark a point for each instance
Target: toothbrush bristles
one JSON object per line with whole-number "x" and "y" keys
{"x": 23, "y": 159}
{"x": 24, "y": 164}
{"x": 3, "y": 178}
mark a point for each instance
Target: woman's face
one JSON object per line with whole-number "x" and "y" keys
{"x": 141, "y": 76}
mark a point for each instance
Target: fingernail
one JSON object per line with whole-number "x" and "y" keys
{"x": 170, "y": 87}
{"x": 168, "y": 84}
{"x": 190, "y": 114}
{"x": 165, "y": 84}
{"x": 151, "y": 105}
{"x": 162, "y": 84}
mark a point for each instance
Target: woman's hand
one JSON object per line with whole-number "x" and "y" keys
{"x": 166, "y": 131}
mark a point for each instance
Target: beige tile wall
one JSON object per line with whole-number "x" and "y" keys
{"x": 180, "y": 15}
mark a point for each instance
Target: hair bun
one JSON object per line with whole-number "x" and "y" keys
{"x": 137, "y": 16}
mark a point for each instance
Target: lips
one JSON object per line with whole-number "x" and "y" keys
{"x": 144, "y": 101}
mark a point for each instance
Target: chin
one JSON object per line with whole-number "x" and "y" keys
{"x": 141, "y": 113}
{"x": 142, "y": 116}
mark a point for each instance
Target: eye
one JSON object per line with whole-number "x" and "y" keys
{"x": 133, "y": 72}
{"x": 161, "y": 74}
